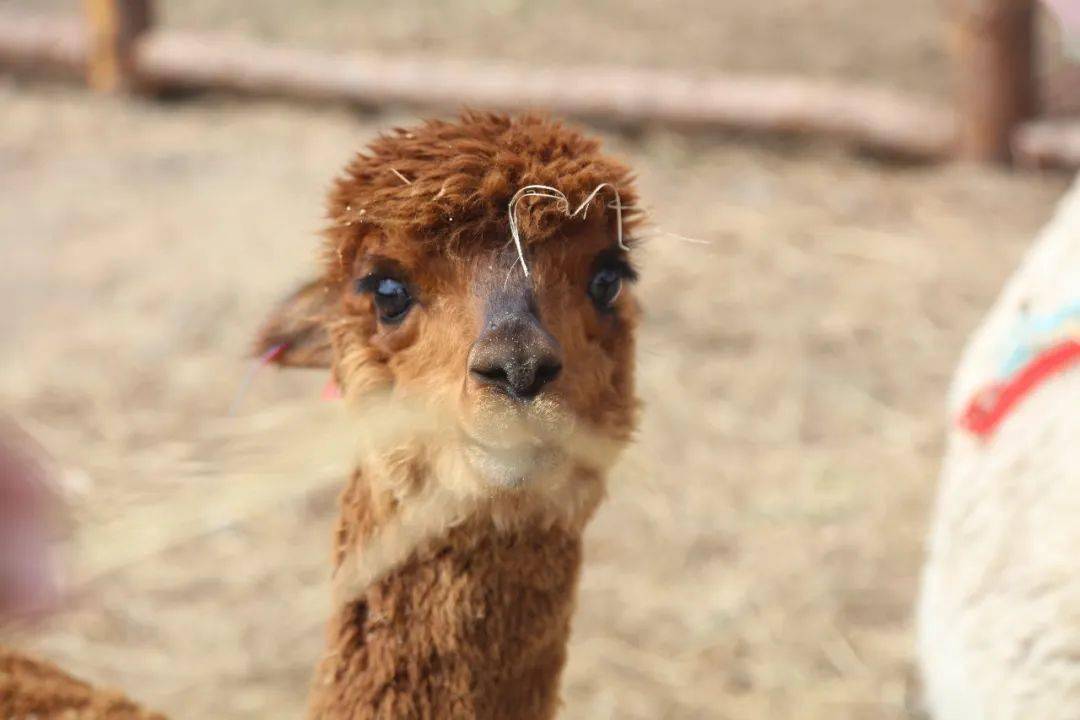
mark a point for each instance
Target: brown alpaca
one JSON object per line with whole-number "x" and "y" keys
{"x": 492, "y": 404}
{"x": 459, "y": 542}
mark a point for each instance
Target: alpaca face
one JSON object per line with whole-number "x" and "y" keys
{"x": 518, "y": 363}
{"x": 425, "y": 300}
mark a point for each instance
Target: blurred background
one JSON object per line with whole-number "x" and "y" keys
{"x": 804, "y": 307}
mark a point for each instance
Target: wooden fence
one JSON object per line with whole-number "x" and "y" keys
{"x": 117, "y": 48}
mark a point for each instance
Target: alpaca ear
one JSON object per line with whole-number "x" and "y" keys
{"x": 295, "y": 334}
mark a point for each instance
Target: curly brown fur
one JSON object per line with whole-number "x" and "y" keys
{"x": 31, "y": 688}
{"x": 473, "y": 625}
{"x": 461, "y": 178}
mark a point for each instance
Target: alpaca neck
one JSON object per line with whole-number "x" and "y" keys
{"x": 473, "y": 622}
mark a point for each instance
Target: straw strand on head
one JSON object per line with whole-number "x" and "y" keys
{"x": 551, "y": 193}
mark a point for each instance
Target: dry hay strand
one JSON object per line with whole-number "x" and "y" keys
{"x": 563, "y": 203}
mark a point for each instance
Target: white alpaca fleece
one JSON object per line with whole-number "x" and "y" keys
{"x": 999, "y": 611}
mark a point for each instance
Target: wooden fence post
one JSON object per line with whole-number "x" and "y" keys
{"x": 113, "y": 28}
{"x": 994, "y": 49}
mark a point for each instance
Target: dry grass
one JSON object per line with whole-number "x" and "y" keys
{"x": 759, "y": 553}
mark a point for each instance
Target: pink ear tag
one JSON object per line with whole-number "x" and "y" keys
{"x": 330, "y": 390}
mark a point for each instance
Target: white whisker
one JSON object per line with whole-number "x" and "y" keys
{"x": 684, "y": 238}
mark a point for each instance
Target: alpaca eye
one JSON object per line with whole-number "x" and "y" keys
{"x": 604, "y": 287}
{"x": 392, "y": 299}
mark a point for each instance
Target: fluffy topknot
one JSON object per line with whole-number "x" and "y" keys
{"x": 449, "y": 183}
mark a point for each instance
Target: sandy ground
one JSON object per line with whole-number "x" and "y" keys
{"x": 759, "y": 554}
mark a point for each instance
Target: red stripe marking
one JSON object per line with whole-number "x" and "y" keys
{"x": 992, "y": 404}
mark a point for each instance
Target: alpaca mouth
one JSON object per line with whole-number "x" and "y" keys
{"x": 510, "y": 466}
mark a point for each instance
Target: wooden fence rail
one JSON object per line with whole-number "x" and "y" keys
{"x": 117, "y": 48}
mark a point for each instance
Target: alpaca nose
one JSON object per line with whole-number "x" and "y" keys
{"x": 515, "y": 355}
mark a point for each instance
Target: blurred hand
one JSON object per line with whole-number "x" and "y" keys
{"x": 27, "y": 582}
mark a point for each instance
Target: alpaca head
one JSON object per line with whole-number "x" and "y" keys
{"x": 425, "y": 299}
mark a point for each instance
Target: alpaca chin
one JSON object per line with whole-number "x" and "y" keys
{"x": 515, "y": 466}
{"x": 509, "y": 445}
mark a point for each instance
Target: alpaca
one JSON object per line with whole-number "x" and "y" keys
{"x": 501, "y": 318}
{"x": 999, "y": 610}
{"x": 481, "y": 328}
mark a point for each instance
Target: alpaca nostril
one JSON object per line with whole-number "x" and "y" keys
{"x": 490, "y": 375}
{"x": 546, "y": 371}
{"x": 530, "y": 377}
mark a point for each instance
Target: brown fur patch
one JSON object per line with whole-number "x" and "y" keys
{"x": 461, "y": 178}
{"x": 32, "y": 688}
{"x": 473, "y": 625}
